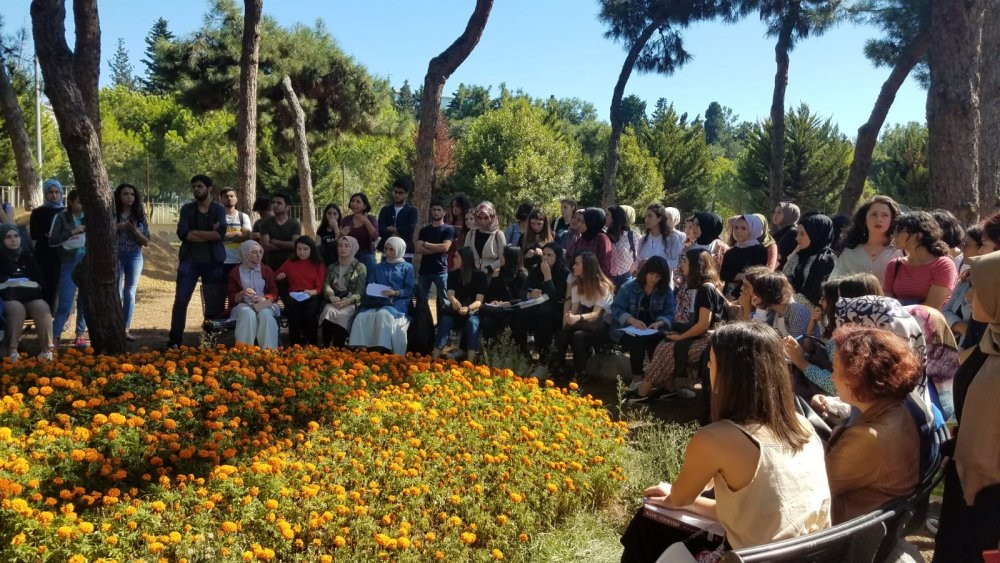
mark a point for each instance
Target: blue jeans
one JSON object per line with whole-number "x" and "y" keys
{"x": 129, "y": 268}
{"x": 369, "y": 261}
{"x": 470, "y": 324}
{"x": 440, "y": 282}
{"x": 67, "y": 293}
{"x": 188, "y": 273}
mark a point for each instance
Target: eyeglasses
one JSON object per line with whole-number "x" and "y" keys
{"x": 483, "y": 217}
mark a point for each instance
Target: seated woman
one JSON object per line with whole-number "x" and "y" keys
{"x": 547, "y": 278}
{"x": 765, "y": 460}
{"x": 868, "y": 242}
{"x": 505, "y": 287}
{"x": 811, "y": 263}
{"x": 485, "y": 238}
{"x": 745, "y": 308}
{"x": 773, "y": 294}
{"x": 877, "y": 457}
{"x": 466, "y": 288}
{"x": 624, "y": 246}
{"x": 583, "y": 323}
{"x": 21, "y": 293}
{"x": 746, "y": 251}
{"x": 254, "y": 290}
{"x": 344, "y": 286}
{"x": 306, "y": 274}
{"x": 686, "y": 343}
{"x": 958, "y": 310}
{"x": 382, "y": 321}
{"x": 645, "y": 303}
{"x": 927, "y": 274}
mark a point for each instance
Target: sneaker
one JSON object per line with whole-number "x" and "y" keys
{"x": 45, "y": 356}
{"x": 686, "y": 394}
{"x": 80, "y": 342}
{"x": 14, "y": 356}
{"x": 932, "y": 525}
{"x": 129, "y": 337}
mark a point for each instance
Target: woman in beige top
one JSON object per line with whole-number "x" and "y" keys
{"x": 876, "y": 458}
{"x": 765, "y": 460}
{"x": 486, "y": 239}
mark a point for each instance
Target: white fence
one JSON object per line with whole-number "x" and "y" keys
{"x": 11, "y": 195}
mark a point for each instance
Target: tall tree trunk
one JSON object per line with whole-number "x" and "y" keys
{"x": 13, "y": 118}
{"x": 246, "y": 114}
{"x": 440, "y": 68}
{"x": 989, "y": 112}
{"x": 617, "y": 124}
{"x": 953, "y": 122}
{"x": 776, "y": 171}
{"x": 301, "y": 158}
{"x": 868, "y": 133}
{"x": 71, "y": 86}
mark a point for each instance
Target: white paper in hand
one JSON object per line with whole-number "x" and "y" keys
{"x": 376, "y": 289}
{"x": 639, "y": 331}
{"x": 298, "y": 295}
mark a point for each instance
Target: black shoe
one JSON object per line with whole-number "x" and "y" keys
{"x": 634, "y": 398}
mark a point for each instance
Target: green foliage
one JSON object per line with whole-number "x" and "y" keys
{"x": 121, "y": 69}
{"x": 639, "y": 181}
{"x": 468, "y": 101}
{"x": 159, "y": 37}
{"x": 722, "y": 130}
{"x": 817, "y": 160}
{"x": 633, "y": 112}
{"x": 899, "y": 164}
{"x": 900, "y": 21}
{"x": 683, "y": 156}
{"x": 55, "y": 163}
{"x": 510, "y": 155}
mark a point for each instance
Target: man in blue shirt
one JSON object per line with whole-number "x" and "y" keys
{"x": 201, "y": 228}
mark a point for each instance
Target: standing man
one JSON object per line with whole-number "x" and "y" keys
{"x": 262, "y": 207}
{"x": 238, "y": 229}
{"x": 433, "y": 242}
{"x": 201, "y": 228}
{"x": 400, "y": 218}
{"x": 278, "y": 233}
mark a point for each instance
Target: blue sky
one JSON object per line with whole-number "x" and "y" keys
{"x": 555, "y": 47}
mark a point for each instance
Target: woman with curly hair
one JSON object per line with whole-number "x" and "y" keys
{"x": 927, "y": 274}
{"x": 868, "y": 243}
{"x": 133, "y": 234}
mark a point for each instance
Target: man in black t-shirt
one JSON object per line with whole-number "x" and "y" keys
{"x": 433, "y": 242}
{"x": 278, "y": 233}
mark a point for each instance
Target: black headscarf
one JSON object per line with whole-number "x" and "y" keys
{"x": 594, "y": 218}
{"x": 820, "y": 230}
{"x": 710, "y": 225}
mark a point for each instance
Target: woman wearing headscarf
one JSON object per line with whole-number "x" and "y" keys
{"x": 21, "y": 293}
{"x": 707, "y": 228}
{"x": 970, "y": 509}
{"x": 254, "y": 291}
{"x": 747, "y": 251}
{"x": 812, "y": 263}
{"x": 38, "y": 227}
{"x": 767, "y": 241}
{"x": 345, "y": 284}
{"x": 786, "y": 216}
{"x": 595, "y": 239}
{"x": 486, "y": 238}
{"x": 382, "y": 321}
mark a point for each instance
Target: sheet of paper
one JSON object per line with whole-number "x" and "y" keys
{"x": 639, "y": 331}
{"x": 298, "y": 295}
{"x": 376, "y": 289}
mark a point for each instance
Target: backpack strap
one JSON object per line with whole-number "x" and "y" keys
{"x": 631, "y": 242}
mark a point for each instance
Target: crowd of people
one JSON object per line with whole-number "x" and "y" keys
{"x": 884, "y": 324}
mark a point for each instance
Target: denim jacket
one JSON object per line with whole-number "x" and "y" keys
{"x": 626, "y": 306}
{"x": 399, "y": 277}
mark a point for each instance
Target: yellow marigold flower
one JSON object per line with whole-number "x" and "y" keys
{"x": 229, "y": 527}
{"x": 497, "y": 554}
{"x": 339, "y": 541}
{"x": 271, "y": 504}
{"x": 156, "y": 547}
{"x": 85, "y": 527}
{"x": 77, "y": 559}
{"x": 157, "y": 506}
{"x": 468, "y": 538}
{"x": 64, "y": 532}
{"x": 18, "y": 539}
{"x": 502, "y": 519}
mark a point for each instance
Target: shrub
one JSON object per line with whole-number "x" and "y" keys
{"x": 301, "y": 454}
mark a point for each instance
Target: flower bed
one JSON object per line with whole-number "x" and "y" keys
{"x": 315, "y": 454}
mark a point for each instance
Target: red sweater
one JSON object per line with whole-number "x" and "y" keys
{"x": 303, "y": 275}
{"x": 235, "y": 286}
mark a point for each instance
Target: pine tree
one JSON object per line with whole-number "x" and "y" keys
{"x": 154, "y": 83}
{"x": 121, "y": 68}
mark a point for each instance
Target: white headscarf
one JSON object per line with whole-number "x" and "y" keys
{"x": 756, "y": 229}
{"x": 399, "y": 246}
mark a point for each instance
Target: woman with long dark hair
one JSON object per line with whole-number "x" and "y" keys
{"x": 69, "y": 234}
{"x": 21, "y": 294}
{"x": 643, "y": 303}
{"x": 363, "y": 226}
{"x": 685, "y": 343}
{"x": 506, "y": 286}
{"x": 545, "y": 279}
{"x": 584, "y": 328}
{"x": 458, "y": 209}
{"x": 867, "y": 246}
{"x": 538, "y": 235}
{"x": 624, "y": 246}
{"x": 328, "y": 233}
{"x": 466, "y": 291}
{"x": 133, "y": 234}
{"x": 764, "y": 459}
{"x": 927, "y": 274}
{"x": 305, "y": 274}
{"x": 662, "y": 237}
